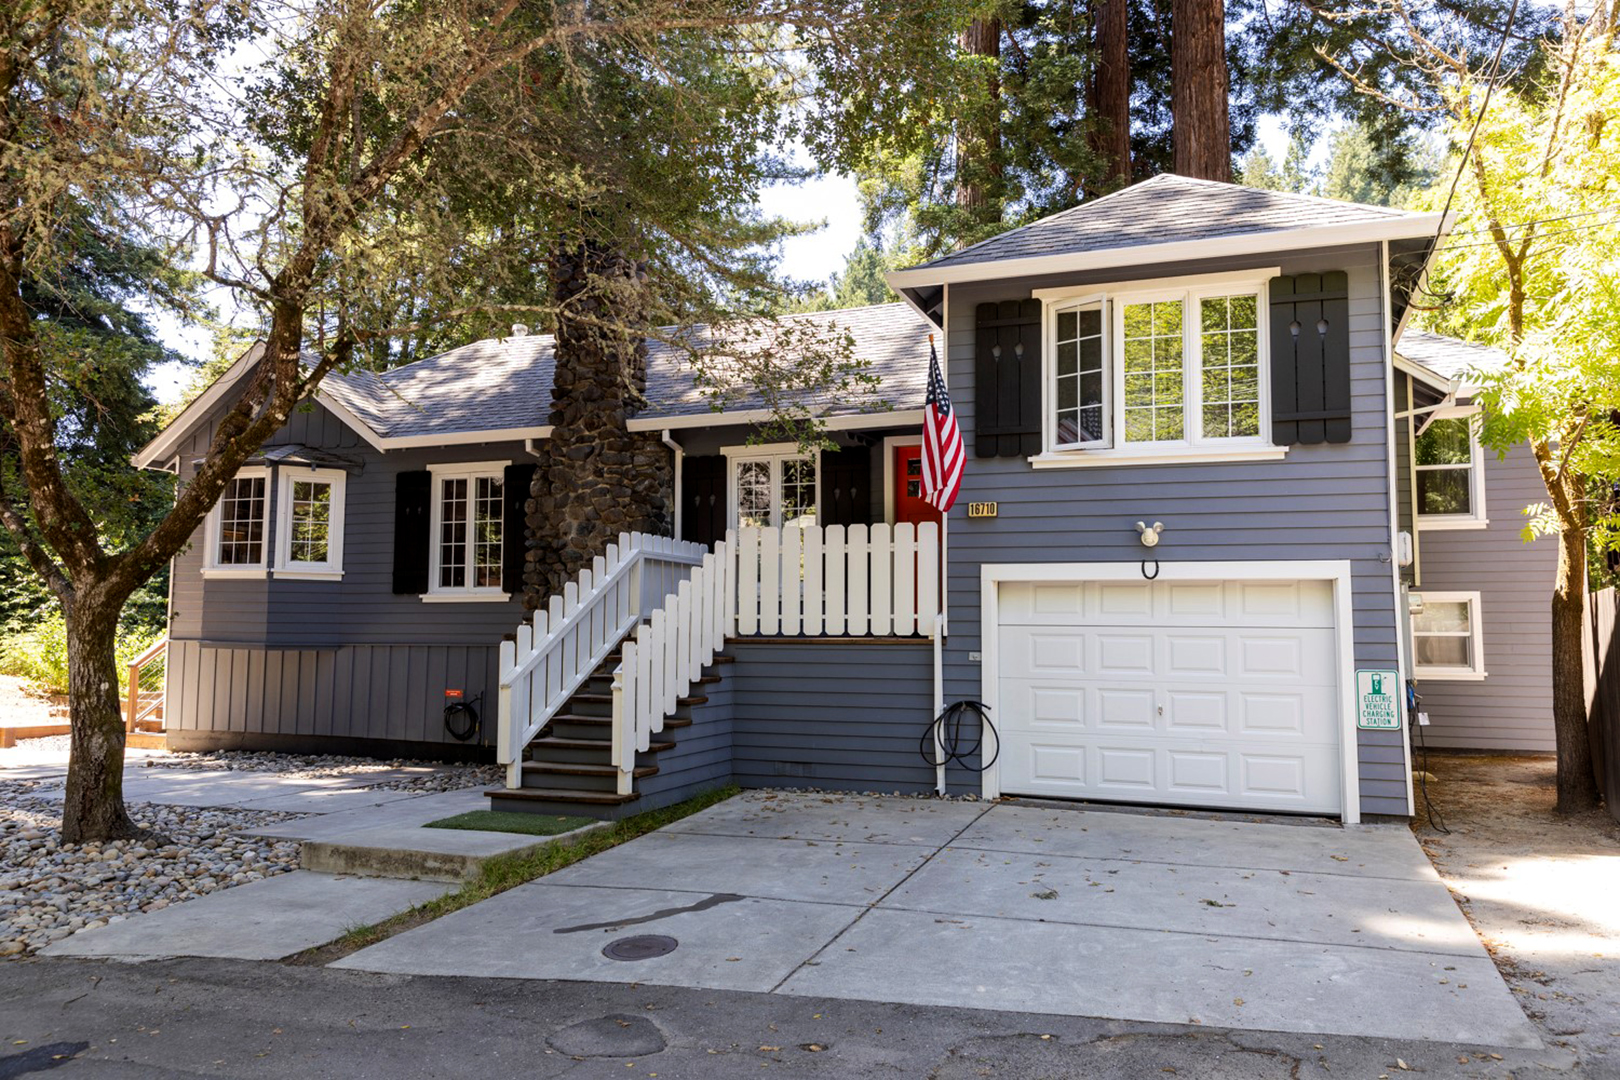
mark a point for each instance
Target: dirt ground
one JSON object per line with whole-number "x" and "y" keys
{"x": 1543, "y": 892}
{"x": 20, "y": 707}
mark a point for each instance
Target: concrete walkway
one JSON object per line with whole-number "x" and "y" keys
{"x": 1167, "y": 918}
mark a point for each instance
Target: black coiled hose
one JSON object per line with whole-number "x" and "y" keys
{"x": 946, "y": 733}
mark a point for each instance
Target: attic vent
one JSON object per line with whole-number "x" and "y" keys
{"x": 520, "y": 329}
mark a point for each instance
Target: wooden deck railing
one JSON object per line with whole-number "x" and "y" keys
{"x": 878, "y": 580}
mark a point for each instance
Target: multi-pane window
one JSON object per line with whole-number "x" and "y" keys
{"x": 754, "y": 494}
{"x": 772, "y": 488}
{"x": 1080, "y": 406}
{"x": 309, "y": 522}
{"x": 1229, "y": 354}
{"x": 467, "y": 548}
{"x": 1444, "y": 465}
{"x": 239, "y": 530}
{"x": 1155, "y": 372}
{"x": 1446, "y": 636}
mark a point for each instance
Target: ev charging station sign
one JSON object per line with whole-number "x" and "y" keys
{"x": 1378, "y": 706}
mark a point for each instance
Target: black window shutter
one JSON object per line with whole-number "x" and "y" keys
{"x": 703, "y": 498}
{"x": 846, "y": 486}
{"x": 1007, "y": 379}
{"x": 1310, "y": 358}
{"x": 515, "y": 485}
{"x": 412, "y": 494}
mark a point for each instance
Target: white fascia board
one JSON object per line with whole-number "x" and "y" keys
{"x": 1427, "y": 376}
{"x": 466, "y": 438}
{"x": 343, "y": 413}
{"x": 1316, "y": 236}
{"x": 167, "y": 441}
{"x": 841, "y": 422}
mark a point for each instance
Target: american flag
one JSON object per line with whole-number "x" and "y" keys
{"x": 943, "y": 455}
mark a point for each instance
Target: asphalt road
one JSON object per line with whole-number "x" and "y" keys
{"x": 218, "y": 1018}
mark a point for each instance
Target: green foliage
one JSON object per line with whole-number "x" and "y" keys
{"x": 859, "y": 284}
{"x": 1531, "y": 267}
{"x": 36, "y": 650}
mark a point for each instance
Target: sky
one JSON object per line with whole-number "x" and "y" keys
{"x": 830, "y": 198}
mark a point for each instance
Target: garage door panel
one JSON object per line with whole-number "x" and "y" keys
{"x": 1201, "y": 694}
{"x": 1140, "y": 603}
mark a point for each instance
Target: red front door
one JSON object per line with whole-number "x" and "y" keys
{"x": 909, "y": 504}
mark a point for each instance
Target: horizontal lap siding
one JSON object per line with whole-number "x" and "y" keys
{"x": 845, "y": 717}
{"x": 701, "y": 759}
{"x": 1511, "y": 708}
{"x": 1323, "y": 502}
{"x": 343, "y": 692}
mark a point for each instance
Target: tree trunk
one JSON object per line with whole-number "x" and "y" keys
{"x": 93, "y": 805}
{"x": 1110, "y": 128}
{"x": 1201, "y": 132}
{"x": 1577, "y": 783}
{"x": 595, "y": 478}
{"x": 978, "y": 135}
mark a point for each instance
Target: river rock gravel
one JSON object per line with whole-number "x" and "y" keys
{"x": 48, "y": 890}
{"x": 397, "y": 774}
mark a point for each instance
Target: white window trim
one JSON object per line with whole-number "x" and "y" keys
{"x": 1476, "y": 634}
{"x": 776, "y": 453}
{"x": 332, "y": 568}
{"x": 1195, "y": 448}
{"x": 1480, "y": 517}
{"x": 211, "y": 565}
{"x": 439, "y": 474}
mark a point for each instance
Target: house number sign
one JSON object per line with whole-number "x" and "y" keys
{"x": 1378, "y": 706}
{"x": 981, "y": 510}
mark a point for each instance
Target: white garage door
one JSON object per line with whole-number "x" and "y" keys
{"x": 1218, "y": 694}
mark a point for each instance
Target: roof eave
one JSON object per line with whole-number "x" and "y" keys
{"x": 1315, "y": 236}
{"x": 838, "y": 422}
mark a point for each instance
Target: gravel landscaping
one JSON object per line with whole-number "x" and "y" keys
{"x": 382, "y": 775}
{"x": 48, "y": 891}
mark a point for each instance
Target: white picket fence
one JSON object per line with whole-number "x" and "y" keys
{"x": 559, "y": 647}
{"x": 667, "y": 654}
{"x": 833, "y": 581}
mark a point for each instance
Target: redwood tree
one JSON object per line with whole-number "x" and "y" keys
{"x": 1110, "y": 94}
{"x": 1201, "y": 132}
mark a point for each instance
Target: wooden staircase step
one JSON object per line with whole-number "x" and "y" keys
{"x": 568, "y": 768}
{"x": 607, "y": 721}
{"x": 562, "y": 795}
{"x": 558, "y": 742}
{"x": 607, "y": 699}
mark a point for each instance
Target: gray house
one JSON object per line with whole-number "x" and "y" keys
{"x": 1216, "y": 511}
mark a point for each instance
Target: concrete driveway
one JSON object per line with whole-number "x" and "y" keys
{"x": 1151, "y": 917}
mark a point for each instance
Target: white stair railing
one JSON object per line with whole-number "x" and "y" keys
{"x": 832, "y": 581}
{"x": 559, "y": 647}
{"x": 667, "y": 654}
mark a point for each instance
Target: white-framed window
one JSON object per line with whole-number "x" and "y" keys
{"x": 465, "y": 555}
{"x": 237, "y": 532}
{"x": 1448, "y": 472}
{"x": 309, "y": 522}
{"x": 1146, "y": 372}
{"x": 1447, "y": 639}
{"x": 772, "y": 486}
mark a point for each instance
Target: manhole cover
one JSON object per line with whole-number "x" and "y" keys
{"x": 640, "y": 947}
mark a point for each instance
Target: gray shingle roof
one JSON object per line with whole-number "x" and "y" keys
{"x": 1164, "y": 210}
{"x": 505, "y": 383}
{"x": 1449, "y": 356}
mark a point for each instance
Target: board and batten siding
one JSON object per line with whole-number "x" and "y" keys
{"x": 1511, "y": 708}
{"x": 1329, "y": 501}
{"x": 345, "y": 658}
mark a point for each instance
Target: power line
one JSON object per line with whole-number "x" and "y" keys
{"x": 1545, "y": 235}
{"x": 1490, "y": 86}
{"x": 1536, "y": 221}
